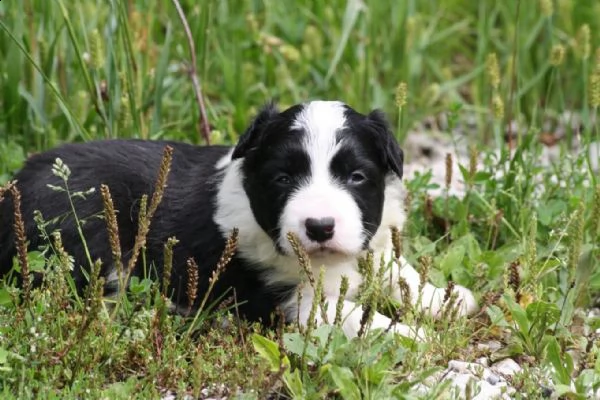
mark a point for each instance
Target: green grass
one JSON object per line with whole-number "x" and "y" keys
{"x": 528, "y": 247}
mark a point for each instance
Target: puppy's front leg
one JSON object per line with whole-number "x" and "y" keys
{"x": 431, "y": 297}
{"x": 351, "y": 315}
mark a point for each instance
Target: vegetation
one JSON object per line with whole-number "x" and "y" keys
{"x": 525, "y": 237}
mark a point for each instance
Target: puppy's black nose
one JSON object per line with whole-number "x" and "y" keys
{"x": 319, "y": 230}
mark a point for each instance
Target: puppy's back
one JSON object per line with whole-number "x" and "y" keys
{"x": 128, "y": 167}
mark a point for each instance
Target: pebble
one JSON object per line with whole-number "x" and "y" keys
{"x": 485, "y": 383}
{"x": 507, "y": 367}
{"x": 491, "y": 346}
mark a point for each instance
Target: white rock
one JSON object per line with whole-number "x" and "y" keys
{"x": 462, "y": 366}
{"x": 461, "y": 381}
{"x": 483, "y": 361}
{"x": 493, "y": 379}
{"x": 491, "y": 346}
{"x": 594, "y": 151}
{"x": 482, "y": 389}
{"x": 488, "y": 392}
{"x": 508, "y": 366}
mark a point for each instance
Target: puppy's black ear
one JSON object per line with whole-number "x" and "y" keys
{"x": 251, "y": 137}
{"x": 386, "y": 142}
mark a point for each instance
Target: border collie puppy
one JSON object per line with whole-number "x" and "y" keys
{"x": 321, "y": 170}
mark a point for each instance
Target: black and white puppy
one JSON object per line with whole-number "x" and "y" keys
{"x": 321, "y": 170}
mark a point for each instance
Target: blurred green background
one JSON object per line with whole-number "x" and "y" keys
{"x": 82, "y": 69}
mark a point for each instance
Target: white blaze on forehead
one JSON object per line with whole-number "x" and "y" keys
{"x": 321, "y": 121}
{"x": 320, "y": 196}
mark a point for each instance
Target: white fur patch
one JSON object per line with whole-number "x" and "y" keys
{"x": 225, "y": 160}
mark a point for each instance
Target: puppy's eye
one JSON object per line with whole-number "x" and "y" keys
{"x": 356, "y": 178}
{"x": 283, "y": 179}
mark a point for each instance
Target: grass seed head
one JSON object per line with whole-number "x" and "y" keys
{"x": 96, "y": 50}
{"x": 575, "y": 234}
{"x": 448, "y": 291}
{"x": 401, "y": 95}
{"x": 498, "y": 107}
{"x": 396, "y": 242}
{"x": 594, "y": 88}
{"x": 21, "y": 241}
{"x": 595, "y": 216}
{"x": 582, "y": 42}
{"x": 425, "y": 264}
{"x": 514, "y": 279}
{"x": 192, "y": 283}
{"x": 168, "y": 264}
{"x": 344, "y": 285}
{"x": 125, "y": 118}
{"x": 557, "y": 55}
{"x": 448, "y": 170}
{"x": 546, "y": 8}
{"x": 405, "y": 295}
{"x": 110, "y": 217}
{"x": 493, "y": 70}
{"x": 473, "y": 157}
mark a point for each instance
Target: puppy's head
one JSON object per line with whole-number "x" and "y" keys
{"x": 318, "y": 170}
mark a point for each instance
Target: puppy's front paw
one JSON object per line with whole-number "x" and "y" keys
{"x": 467, "y": 303}
{"x": 383, "y": 322}
{"x": 418, "y": 334}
